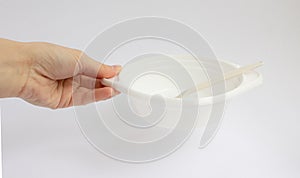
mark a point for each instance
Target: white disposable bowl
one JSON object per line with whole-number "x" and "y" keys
{"x": 142, "y": 79}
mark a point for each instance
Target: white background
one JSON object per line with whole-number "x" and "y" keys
{"x": 260, "y": 133}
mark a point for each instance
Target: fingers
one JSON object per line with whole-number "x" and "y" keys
{"x": 84, "y": 96}
{"x": 93, "y": 68}
{"x": 104, "y": 93}
{"x": 87, "y": 82}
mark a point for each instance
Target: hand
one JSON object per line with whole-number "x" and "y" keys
{"x": 52, "y": 76}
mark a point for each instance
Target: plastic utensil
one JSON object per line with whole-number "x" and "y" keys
{"x": 227, "y": 76}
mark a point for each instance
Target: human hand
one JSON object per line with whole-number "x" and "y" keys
{"x": 52, "y": 76}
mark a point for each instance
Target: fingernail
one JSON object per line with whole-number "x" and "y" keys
{"x": 117, "y": 68}
{"x": 114, "y": 92}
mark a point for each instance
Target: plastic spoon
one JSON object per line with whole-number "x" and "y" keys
{"x": 227, "y": 76}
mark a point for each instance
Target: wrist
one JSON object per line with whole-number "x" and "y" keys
{"x": 15, "y": 65}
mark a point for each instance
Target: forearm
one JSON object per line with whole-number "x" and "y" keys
{"x": 13, "y": 67}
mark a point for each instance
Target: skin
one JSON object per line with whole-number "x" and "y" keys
{"x": 52, "y": 76}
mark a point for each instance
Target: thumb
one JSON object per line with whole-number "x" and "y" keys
{"x": 93, "y": 68}
{"x": 107, "y": 71}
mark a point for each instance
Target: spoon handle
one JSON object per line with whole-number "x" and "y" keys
{"x": 227, "y": 76}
